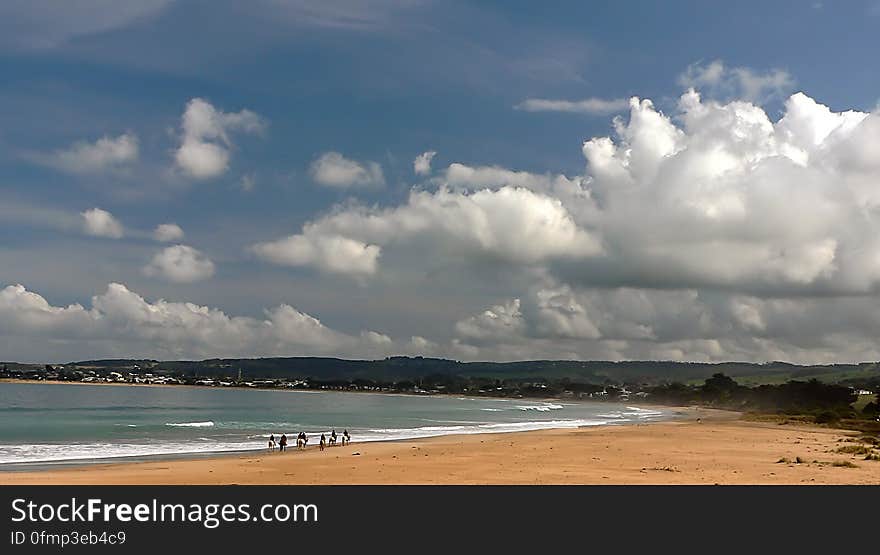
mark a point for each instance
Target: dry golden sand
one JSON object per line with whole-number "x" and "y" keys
{"x": 714, "y": 451}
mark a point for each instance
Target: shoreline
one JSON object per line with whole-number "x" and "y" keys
{"x": 64, "y": 382}
{"x": 720, "y": 448}
{"x": 676, "y": 414}
{"x": 635, "y": 403}
{"x": 201, "y": 452}
{"x": 681, "y": 414}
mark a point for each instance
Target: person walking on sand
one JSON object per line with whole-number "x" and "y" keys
{"x": 345, "y": 437}
{"x": 322, "y": 442}
{"x": 272, "y": 442}
{"x": 282, "y": 443}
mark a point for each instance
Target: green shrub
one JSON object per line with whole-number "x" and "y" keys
{"x": 844, "y": 464}
{"x": 826, "y": 417}
{"x": 854, "y": 450}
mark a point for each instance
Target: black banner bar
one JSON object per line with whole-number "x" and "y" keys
{"x": 131, "y": 519}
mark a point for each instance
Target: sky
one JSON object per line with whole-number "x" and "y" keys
{"x": 186, "y": 179}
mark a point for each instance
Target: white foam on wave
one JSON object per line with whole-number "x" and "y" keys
{"x": 642, "y": 413}
{"x": 47, "y": 453}
{"x": 541, "y": 408}
{"x": 445, "y": 421}
{"x": 238, "y": 425}
{"x": 207, "y": 424}
{"x": 391, "y": 434}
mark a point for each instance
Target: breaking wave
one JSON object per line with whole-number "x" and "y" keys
{"x": 541, "y": 408}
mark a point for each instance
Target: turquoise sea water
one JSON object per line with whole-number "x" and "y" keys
{"x": 48, "y": 424}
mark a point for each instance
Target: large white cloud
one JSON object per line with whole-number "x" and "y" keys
{"x": 101, "y": 223}
{"x": 122, "y": 323}
{"x": 731, "y": 199}
{"x": 328, "y": 253}
{"x": 180, "y": 264}
{"x": 24, "y": 312}
{"x": 205, "y": 144}
{"x": 734, "y": 236}
{"x": 107, "y": 154}
{"x": 511, "y": 224}
{"x": 559, "y": 322}
{"x": 334, "y": 170}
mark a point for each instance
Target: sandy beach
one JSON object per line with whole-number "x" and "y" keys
{"x": 718, "y": 449}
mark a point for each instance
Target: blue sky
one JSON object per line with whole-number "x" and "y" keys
{"x": 375, "y": 84}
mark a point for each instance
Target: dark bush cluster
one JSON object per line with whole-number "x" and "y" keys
{"x": 827, "y": 402}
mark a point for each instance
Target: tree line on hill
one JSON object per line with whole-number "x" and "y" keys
{"x": 825, "y": 402}
{"x": 401, "y": 368}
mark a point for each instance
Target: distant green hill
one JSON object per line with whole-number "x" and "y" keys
{"x": 409, "y": 368}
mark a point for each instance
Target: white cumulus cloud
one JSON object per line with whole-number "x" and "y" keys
{"x": 180, "y": 264}
{"x": 121, "y": 322}
{"x": 334, "y": 170}
{"x": 100, "y": 223}
{"x": 103, "y": 155}
{"x": 205, "y": 145}
{"x": 167, "y": 233}
{"x": 422, "y": 162}
{"x": 328, "y": 253}
{"x": 732, "y": 199}
{"x": 511, "y": 224}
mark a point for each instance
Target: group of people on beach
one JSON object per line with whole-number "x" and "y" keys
{"x": 302, "y": 440}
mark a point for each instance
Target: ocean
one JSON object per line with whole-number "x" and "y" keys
{"x": 44, "y": 425}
